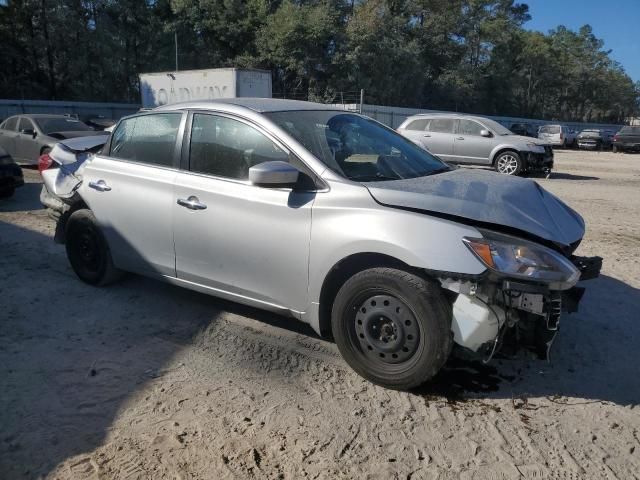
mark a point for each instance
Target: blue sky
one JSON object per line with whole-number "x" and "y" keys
{"x": 616, "y": 22}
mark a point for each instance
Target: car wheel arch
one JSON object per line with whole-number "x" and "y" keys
{"x": 345, "y": 269}
{"x": 500, "y": 150}
{"x": 61, "y": 225}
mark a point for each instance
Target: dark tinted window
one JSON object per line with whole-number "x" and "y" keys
{"x": 148, "y": 138}
{"x": 418, "y": 124}
{"x": 11, "y": 124}
{"x": 61, "y": 124}
{"x": 469, "y": 127}
{"x": 26, "y": 124}
{"x": 225, "y": 147}
{"x": 441, "y": 125}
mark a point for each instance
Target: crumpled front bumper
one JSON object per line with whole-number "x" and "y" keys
{"x": 487, "y": 317}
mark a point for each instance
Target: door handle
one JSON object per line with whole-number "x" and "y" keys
{"x": 459, "y": 138}
{"x": 100, "y": 185}
{"x": 426, "y": 135}
{"x": 192, "y": 203}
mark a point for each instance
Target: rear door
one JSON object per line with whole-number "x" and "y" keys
{"x": 248, "y": 242}
{"x": 415, "y": 131}
{"x": 471, "y": 147}
{"x": 130, "y": 191}
{"x": 8, "y": 135}
{"x": 27, "y": 147}
{"x": 438, "y": 137}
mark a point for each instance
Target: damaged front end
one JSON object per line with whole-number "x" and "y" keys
{"x": 520, "y": 299}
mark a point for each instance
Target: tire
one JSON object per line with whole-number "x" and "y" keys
{"x": 7, "y": 192}
{"x": 87, "y": 250}
{"x": 392, "y": 327}
{"x": 509, "y": 163}
{"x": 616, "y": 149}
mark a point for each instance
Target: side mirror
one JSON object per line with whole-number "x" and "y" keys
{"x": 28, "y": 131}
{"x": 274, "y": 174}
{"x": 485, "y": 133}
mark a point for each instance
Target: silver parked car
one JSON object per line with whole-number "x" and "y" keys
{"x": 330, "y": 218}
{"x": 478, "y": 141}
{"x": 26, "y": 137}
{"x": 558, "y": 135}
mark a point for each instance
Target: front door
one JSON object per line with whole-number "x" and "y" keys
{"x": 130, "y": 191}
{"x": 247, "y": 241}
{"x": 27, "y": 147}
{"x": 471, "y": 147}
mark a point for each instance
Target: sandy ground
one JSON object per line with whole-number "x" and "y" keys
{"x": 146, "y": 380}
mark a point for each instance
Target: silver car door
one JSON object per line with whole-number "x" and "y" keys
{"x": 246, "y": 242}
{"x": 130, "y": 191}
{"x": 471, "y": 147}
{"x": 415, "y": 131}
{"x": 8, "y": 135}
{"x": 438, "y": 137}
{"x": 27, "y": 146}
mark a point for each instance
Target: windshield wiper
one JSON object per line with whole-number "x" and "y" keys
{"x": 370, "y": 178}
{"x": 439, "y": 170}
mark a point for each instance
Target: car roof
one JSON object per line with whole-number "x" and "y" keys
{"x": 42, "y": 115}
{"x": 261, "y": 105}
{"x": 444, "y": 114}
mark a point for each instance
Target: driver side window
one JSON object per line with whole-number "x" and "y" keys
{"x": 225, "y": 147}
{"x": 469, "y": 127}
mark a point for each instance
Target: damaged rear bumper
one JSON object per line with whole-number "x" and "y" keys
{"x": 489, "y": 316}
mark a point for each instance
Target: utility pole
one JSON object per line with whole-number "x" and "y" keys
{"x": 361, "y": 99}
{"x": 176, "y": 41}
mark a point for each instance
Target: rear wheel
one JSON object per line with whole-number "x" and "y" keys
{"x": 509, "y": 163}
{"x": 88, "y": 251}
{"x": 7, "y": 192}
{"x": 392, "y": 327}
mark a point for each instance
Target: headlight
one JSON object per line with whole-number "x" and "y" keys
{"x": 520, "y": 259}
{"x": 534, "y": 146}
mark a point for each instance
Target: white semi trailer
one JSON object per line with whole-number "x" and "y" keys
{"x": 162, "y": 88}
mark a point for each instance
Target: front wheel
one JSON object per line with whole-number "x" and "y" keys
{"x": 392, "y": 327}
{"x": 88, "y": 251}
{"x": 509, "y": 163}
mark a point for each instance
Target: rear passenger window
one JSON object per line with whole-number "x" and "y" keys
{"x": 148, "y": 138}
{"x": 420, "y": 125}
{"x": 225, "y": 147}
{"x": 11, "y": 124}
{"x": 441, "y": 125}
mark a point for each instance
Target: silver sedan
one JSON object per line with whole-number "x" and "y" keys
{"x": 330, "y": 218}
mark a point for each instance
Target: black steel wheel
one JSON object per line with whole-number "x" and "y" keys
{"x": 392, "y": 327}
{"x": 87, "y": 249}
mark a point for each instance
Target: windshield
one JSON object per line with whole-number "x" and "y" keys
{"x": 496, "y": 127}
{"x": 61, "y": 124}
{"x": 357, "y": 148}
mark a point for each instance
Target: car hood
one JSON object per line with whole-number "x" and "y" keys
{"x": 523, "y": 139}
{"x": 487, "y": 198}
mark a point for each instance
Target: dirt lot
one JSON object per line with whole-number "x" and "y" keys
{"x": 145, "y": 380}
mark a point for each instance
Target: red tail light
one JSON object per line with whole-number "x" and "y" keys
{"x": 615, "y": 138}
{"x": 561, "y": 135}
{"x": 44, "y": 162}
